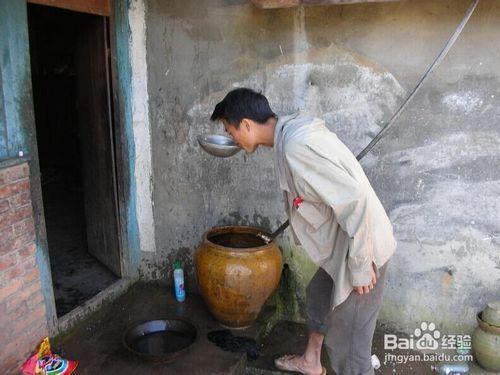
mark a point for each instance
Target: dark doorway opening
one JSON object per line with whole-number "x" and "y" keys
{"x": 73, "y": 107}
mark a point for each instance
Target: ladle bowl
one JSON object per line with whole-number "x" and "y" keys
{"x": 218, "y": 145}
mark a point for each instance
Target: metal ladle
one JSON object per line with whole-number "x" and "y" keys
{"x": 451, "y": 41}
{"x": 218, "y": 145}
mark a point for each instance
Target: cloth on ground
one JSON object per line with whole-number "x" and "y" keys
{"x": 225, "y": 340}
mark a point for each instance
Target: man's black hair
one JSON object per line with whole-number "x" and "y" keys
{"x": 243, "y": 103}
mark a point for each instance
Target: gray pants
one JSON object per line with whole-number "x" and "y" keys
{"x": 349, "y": 327}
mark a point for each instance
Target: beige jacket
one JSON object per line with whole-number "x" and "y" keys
{"x": 341, "y": 223}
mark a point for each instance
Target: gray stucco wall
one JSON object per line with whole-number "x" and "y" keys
{"x": 436, "y": 172}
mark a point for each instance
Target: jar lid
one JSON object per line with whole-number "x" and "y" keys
{"x": 491, "y": 313}
{"x": 494, "y": 305}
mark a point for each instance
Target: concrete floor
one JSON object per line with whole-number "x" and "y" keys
{"x": 76, "y": 274}
{"x": 97, "y": 344}
{"x": 288, "y": 337}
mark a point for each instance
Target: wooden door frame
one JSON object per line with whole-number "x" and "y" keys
{"x": 125, "y": 139}
{"x": 97, "y": 7}
{"x": 102, "y": 9}
{"x": 128, "y": 227}
{"x": 120, "y": 142}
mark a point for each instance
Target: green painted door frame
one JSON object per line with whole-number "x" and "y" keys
{"x": 18, "y": 132}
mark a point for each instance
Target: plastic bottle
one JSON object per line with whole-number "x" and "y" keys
{"x": 180, "y": 293}
{"x": 375, "y": 362}
{"x": 457, "y": 368}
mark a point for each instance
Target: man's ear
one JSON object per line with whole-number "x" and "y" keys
{"x": 246, "y": 124}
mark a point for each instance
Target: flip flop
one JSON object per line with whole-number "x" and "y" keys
{"x": 283, "y": 363}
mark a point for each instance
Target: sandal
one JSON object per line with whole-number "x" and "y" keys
{"x": 283, "y": 363}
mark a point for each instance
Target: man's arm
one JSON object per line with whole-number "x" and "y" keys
{"x": 324, "y": 180}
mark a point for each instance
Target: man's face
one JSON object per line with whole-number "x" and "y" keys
{"x": 244, "y": 136}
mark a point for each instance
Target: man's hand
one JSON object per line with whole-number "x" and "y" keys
{"x": 366, "y": 289}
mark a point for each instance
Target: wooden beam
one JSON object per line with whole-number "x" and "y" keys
{"x": 99, "y": 7}
{"x": 271, "y": 4}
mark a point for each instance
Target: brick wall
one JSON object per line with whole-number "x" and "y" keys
{"x": 22, "y": 310}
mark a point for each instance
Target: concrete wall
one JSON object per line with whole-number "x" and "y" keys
{"x": 434, "y": 172}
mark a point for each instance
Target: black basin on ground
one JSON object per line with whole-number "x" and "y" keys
{"x": 161, "y": 339}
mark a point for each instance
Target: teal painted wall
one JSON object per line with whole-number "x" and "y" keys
{"x": 132, "y": 257}
{"x": 3, "y": 121}
{"x": 16, "y": 114}
{"x": 18, "y": 132}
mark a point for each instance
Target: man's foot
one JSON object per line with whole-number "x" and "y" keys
{"x": 298, "y": 363}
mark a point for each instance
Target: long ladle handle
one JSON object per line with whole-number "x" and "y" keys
{"x": 277, "y": 232}
{"x": 451, "y": 41}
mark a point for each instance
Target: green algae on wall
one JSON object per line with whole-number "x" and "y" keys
{"x": 289, "y": 299}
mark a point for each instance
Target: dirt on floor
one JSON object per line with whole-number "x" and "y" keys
{"x": 97, "y": 342}
{"x": 76, "y": 275}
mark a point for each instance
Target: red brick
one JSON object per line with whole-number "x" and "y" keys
{"x": 14, "y": 173}
{"x": 5, "y": 220}
{"x": 7, "y": 232}
{"x": 35, "y": 300}
{"x": 4, "y": 205}
{"x": 14, "y": 347}
{"x": 4, "y": 333}
{"x": 28, "y": 290}
{"x": 21, "y": 199}
{"x": 23, "y": 226}
{"x": 6, "y": 247}
{"x": 7, "y": 261}
{"x": 20, "y": 325}
{"x": 15, "y": 368}
{"x": 21, "y": 213}
{"x": 24, "y": 239}
{"x": 31, "y": 276}
{"x": 28, "y": 264}
{"x": 15, "y": 304}
{"x": 6, "y": 239}
{"x": 13, "y": 287}
{"x": 32, "y": 317}
{"x": 12, "y": 362}
{"x": 14, "y": 272}
{"x": 38, "y": 333}
{"x": 19, "y": 310}
{"x": 27, "y": 250}
{"x": 14, "y": 216}
{"x": 14, "y": 188}
{"x": 13, "y": 301}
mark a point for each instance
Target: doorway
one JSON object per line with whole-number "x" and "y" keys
{"x": 74, "y": 125}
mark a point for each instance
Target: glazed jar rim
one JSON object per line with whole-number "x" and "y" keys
{"x": 228, "y": 228}
{"x": 487, "y": 327}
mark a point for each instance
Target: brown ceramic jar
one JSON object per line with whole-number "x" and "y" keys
{"x": 237, "y": 272}
{"x": 486, "y": 344}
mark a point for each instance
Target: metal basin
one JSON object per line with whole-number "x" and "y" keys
{"x": 160, "y": 340}
{"x": 218, "y": 145}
